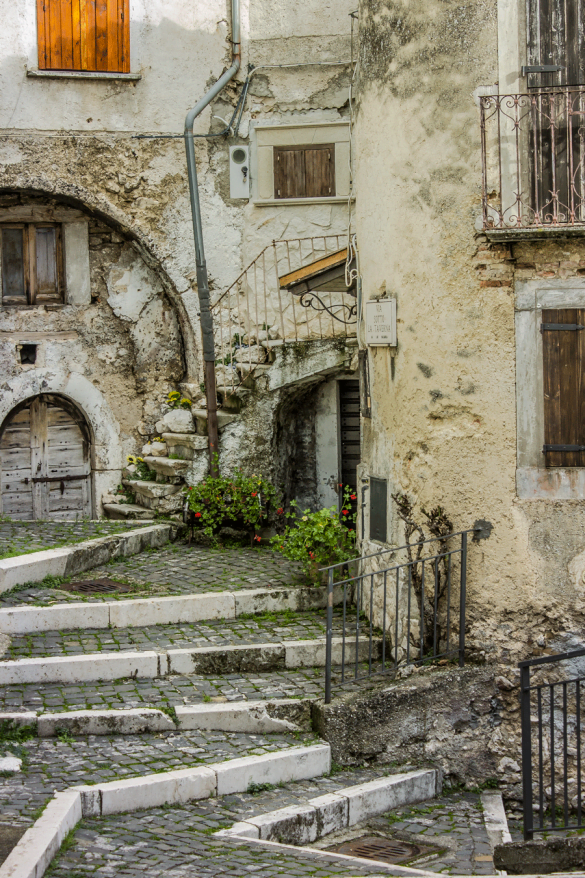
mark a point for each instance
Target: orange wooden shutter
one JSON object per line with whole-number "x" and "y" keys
{"x": 91, "y": 35}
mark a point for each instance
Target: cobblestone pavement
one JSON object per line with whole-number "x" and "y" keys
{"x": 51, "y": 764}
{"x": 269, "y": 628}
{"x": 179, "y": 841}
{"x": 18, "y": 537}
{"x": 172, "y": 690}
{"x": 453, "y": 824}
{"x": 176, "y": 569}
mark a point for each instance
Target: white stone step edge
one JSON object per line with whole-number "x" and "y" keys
{"x": 495, "y": 820}
{"x": 37, "y": 847}
{"x": 247, "y": 717}
{"x": 102, "y": 666}
{"x": 305, "y": 823}
{"x": 69, "y": 560}
{"x": 173, "y": 610}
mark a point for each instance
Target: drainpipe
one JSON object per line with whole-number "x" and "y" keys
{"x": 202, "y": 281}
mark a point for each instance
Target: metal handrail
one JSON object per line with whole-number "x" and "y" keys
{"x": 412, "y": 567}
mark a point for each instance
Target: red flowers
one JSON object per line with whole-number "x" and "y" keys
{"x": 280, "y": 511}
{"x": 197, "y": 515}
{"x": 257, "y": 538}
{"x": 353, "y": 497}
{"x": 254, "y": 493}
{"x": 311, "y": 554}
{"x": 345, "y": 511}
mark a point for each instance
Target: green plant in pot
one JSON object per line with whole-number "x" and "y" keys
{"x": 318, "y": 539}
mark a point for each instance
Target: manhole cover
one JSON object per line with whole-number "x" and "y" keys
{"x": 387, "y": 850}
{"x": 96, "y": 586}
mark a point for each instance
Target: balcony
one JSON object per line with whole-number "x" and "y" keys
{"x": 533, "y": 155}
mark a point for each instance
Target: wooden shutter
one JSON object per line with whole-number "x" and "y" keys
{"x": 304, "y": 172}
{"x": 564, "y": 384}
{"x": 556, "y": 35}
{"x": 47, "y": 264}
{"x": 92, "y": 35}
{"x": 15, "y": 280}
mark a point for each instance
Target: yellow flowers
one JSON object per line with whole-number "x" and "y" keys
{"x": 157, "y": 439}
{"x": 174, "y": 396}
{"x": 176, "y": 401}
{"x": 131, "y": 458}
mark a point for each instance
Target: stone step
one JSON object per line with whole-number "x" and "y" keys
{"x": 186, "y": 445}
{"x": 148, "y": 664}
{"x": 200, "y": 415}
{"x": 168, "y": 468}
{"x": 119, "y": 511}
{"x": 163, "y": 498}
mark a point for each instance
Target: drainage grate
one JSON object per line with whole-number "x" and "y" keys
{"x": 96, "y": 586}
{"x": 387, "y": 850}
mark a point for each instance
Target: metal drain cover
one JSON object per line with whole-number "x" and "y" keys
{"x": 387, "y": 850}
{"x": 96, "y": 586}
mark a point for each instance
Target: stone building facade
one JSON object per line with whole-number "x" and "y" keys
{"x": 92, "y": 152}
{"x": 463, "y": 223}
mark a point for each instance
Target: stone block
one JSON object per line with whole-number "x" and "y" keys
{"x": 78, "y": 669}
{"x": 296, "y": 824}
{"x": 178, "y": 421}
{"x": 154, "y": 790}
{"x": 135, "y": 721}
{"x": 164, "y": 466}
{"x": 154, "y": 449}
{"x": 19, "y": 719}
{"x": 248, "y": 717}
{"x": 186, "y": 442}
{"x": 39, "y": 844}
{"x": 332, "y": 812}
{"x": 32, "y": 568}
{"x": 200, "y": 415}
{"x": 171, "y": 610}
{"x": 123, "y": 511}
{"x": 494, "y": 817}
{"x": 227, "y": 659}
{"x": 262, "y": 600}
{"x": 381, "y": 795}
{"x": 253, "y": 354}
{"x": 22, "y": 620}
{"x": 297, "y": 763}
{"x": 153, "y": 490}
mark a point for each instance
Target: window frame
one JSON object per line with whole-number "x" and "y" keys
{"x": 30, "y": 266}
{"x": 534, "y": 479}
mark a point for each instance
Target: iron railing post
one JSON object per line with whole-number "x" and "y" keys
{"x": 328, "y": 646}
{"x": 526, "y": 752}
{"x": 462, "y": 599}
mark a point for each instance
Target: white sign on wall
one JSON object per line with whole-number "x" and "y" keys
{"x": 381, "y": 322}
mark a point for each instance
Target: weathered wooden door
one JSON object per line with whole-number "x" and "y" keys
{"x": 45, "y": 466}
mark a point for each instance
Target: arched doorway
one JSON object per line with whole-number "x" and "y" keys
{"x": 45, "y": 461}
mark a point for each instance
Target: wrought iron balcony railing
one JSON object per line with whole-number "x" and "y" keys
{"x": 533, "y": 159}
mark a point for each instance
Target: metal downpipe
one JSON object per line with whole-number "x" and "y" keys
{"x": 206, "y": 317}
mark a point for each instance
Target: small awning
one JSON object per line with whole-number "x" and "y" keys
{"x": 327, "y": 273}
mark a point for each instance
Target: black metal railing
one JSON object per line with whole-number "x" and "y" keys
{"x": 533, "y": 159}
{"x": 399, "y": 614}
{"x": 551, "y": 722}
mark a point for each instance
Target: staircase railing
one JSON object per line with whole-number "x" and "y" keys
{"x": 255, "y": 313}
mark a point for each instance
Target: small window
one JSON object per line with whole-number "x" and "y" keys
{"x": 31, "y": 264}
{"x": 304, "y": 172}
{"x": 92, "y": 35}
{"x": 378, "y": 509}
{"x": 563, "y": 346}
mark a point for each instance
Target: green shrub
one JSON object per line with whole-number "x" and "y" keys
{"x": 239, "y": 499}
{"x": 318, "y": 539}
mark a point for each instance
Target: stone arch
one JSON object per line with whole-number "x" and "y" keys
{"x": 96, "y": 206}
{"x": 106, "y": 448}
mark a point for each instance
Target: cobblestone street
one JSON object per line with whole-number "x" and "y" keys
{"x": 175, "y": 569}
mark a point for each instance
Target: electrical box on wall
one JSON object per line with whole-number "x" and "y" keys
{"x": 239, "y": 171}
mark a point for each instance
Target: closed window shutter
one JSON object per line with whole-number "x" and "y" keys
{"x": 564, "y": 385}
{"x": 92, "y": 35}
{"x": 556, "y": 35}
{"x": 304, "y": 172}
{"x": 47, "y": 264}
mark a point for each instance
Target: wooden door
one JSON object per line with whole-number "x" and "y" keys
{"x": 45, "y": 462}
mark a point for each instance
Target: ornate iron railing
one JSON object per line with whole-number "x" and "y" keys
{"x": 533, "y": 159}
{"x": 551, "y": 708}
{"x": 255, "y": 313}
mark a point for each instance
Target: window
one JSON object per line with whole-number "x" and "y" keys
{"x": 556, "y": 38}
{"x": 32, "y": 263}
{"x": 304, "y": 172}
{"x": 563, "y": 348}
{"x": 378, "y": 509}
{"x": 92, "y": 35}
